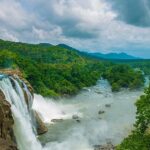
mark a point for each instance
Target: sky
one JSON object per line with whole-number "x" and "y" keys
{"x": 89, "y": 25}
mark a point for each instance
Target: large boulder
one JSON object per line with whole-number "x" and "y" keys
{"x": 101, "y": 112}
{"x": 7, "y": 138}
{"x": 41, "y": 127}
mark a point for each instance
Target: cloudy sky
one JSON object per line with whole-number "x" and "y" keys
{"x": 89, "y": 25}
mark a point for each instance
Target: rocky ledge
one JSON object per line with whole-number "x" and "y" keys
{"x": 14, "y": 73}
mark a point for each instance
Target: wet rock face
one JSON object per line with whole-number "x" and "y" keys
{"x": 7, "y": 140}
{"x": 41, "y": 127}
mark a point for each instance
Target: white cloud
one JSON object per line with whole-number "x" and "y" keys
{"x": 86, "y": 24}
{"x": 13, "y": 15}
{"x": 4, "y": 34}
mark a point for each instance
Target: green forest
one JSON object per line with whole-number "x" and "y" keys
{"x": 57, "y": 71}
{"x": 123, "y": 76}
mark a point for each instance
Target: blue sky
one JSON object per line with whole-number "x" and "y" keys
{"x": 90, "y": 25}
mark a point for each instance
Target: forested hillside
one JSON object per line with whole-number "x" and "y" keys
{"x": 55, "y": 71}
{"x": 143, "y": 64}
{"x": 51, "y": 70}
{"x": 123, "y": 76}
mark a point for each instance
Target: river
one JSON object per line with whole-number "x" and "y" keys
{"x": 100, "y": 116}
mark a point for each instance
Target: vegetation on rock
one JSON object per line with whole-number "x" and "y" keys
{"x": 142, "y": 64}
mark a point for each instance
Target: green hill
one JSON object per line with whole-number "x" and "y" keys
{"x": 58, "y": 71}
{"x": 51, "y": 70}
{"x": 97, "y": 55}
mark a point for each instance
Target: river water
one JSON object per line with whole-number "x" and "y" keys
{"x": 100, "y": 117}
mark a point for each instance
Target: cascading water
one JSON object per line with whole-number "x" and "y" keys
{"x": 23, "y": 124}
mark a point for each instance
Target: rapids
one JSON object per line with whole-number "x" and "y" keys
{"x": 91, "y": 128}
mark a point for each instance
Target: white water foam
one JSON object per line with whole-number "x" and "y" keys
{"x": 49, "y": 109}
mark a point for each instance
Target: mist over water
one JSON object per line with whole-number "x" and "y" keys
{"x": 49, "y": 109}
{"x": 93, "y": 128}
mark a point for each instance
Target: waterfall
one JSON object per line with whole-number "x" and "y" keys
{"x": 22, "y": 114}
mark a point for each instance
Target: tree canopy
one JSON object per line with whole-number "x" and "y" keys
{"x": 57, "y": 71}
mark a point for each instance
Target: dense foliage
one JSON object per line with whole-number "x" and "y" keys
{"x": 140, "y": 138}
{"x": 136, "y": 141}
{"x": 123, "y": 76}
{"x": 143, "y": 64}
{"x": 54, "y": 70}
{"x": 51, "y": 70}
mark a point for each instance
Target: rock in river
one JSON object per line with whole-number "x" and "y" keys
{"x": 78, "y": 120}
{"x": 56, "y": 120}
{"x": 75, "y": 117}
{"x": 101, "y": 112}
{"x": 108, "y": 105}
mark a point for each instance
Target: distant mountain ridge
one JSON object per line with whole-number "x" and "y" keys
{"x": 97, "y": 55}
{"x": 113, "y": 56}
